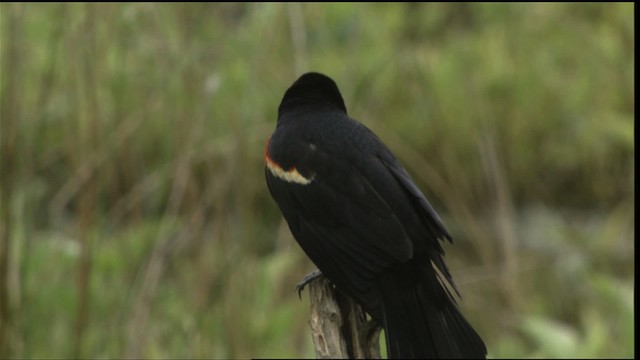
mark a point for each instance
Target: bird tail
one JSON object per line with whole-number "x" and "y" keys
{"x": 421, "y": 319}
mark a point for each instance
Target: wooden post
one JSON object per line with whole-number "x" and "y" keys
{"x": 339, "y": 326}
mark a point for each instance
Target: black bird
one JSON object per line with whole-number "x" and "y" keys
{"x": 361, "y": 219}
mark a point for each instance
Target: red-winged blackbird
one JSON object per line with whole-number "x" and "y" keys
{"x": 360, "y": 218}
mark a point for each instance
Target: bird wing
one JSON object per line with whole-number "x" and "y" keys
{"x": 341, "y": 221}
{"x": 359, "y": 215}
{"x": 427, "y": 215}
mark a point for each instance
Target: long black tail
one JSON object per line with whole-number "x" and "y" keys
{"x": 421, "y": 319}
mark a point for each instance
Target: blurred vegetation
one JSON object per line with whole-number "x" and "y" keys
{"x": 135, "y": 217}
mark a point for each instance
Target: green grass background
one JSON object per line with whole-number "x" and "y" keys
{"x": 136, "y": 221}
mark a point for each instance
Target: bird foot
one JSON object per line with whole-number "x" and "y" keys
{"x": 306, "y": 280}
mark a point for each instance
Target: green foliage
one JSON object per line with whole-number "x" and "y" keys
{"x": 605, "y": 328}
{"x": 132, "y": 145}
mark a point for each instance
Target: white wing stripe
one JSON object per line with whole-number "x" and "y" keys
{"x": 292, "y": 175}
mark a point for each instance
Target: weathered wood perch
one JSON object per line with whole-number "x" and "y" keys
{"x": 339, "y": 326}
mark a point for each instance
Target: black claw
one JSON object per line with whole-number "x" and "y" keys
{"x": 306, "y": 280}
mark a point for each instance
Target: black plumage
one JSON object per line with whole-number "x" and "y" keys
{"x": 360, "y": 218}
